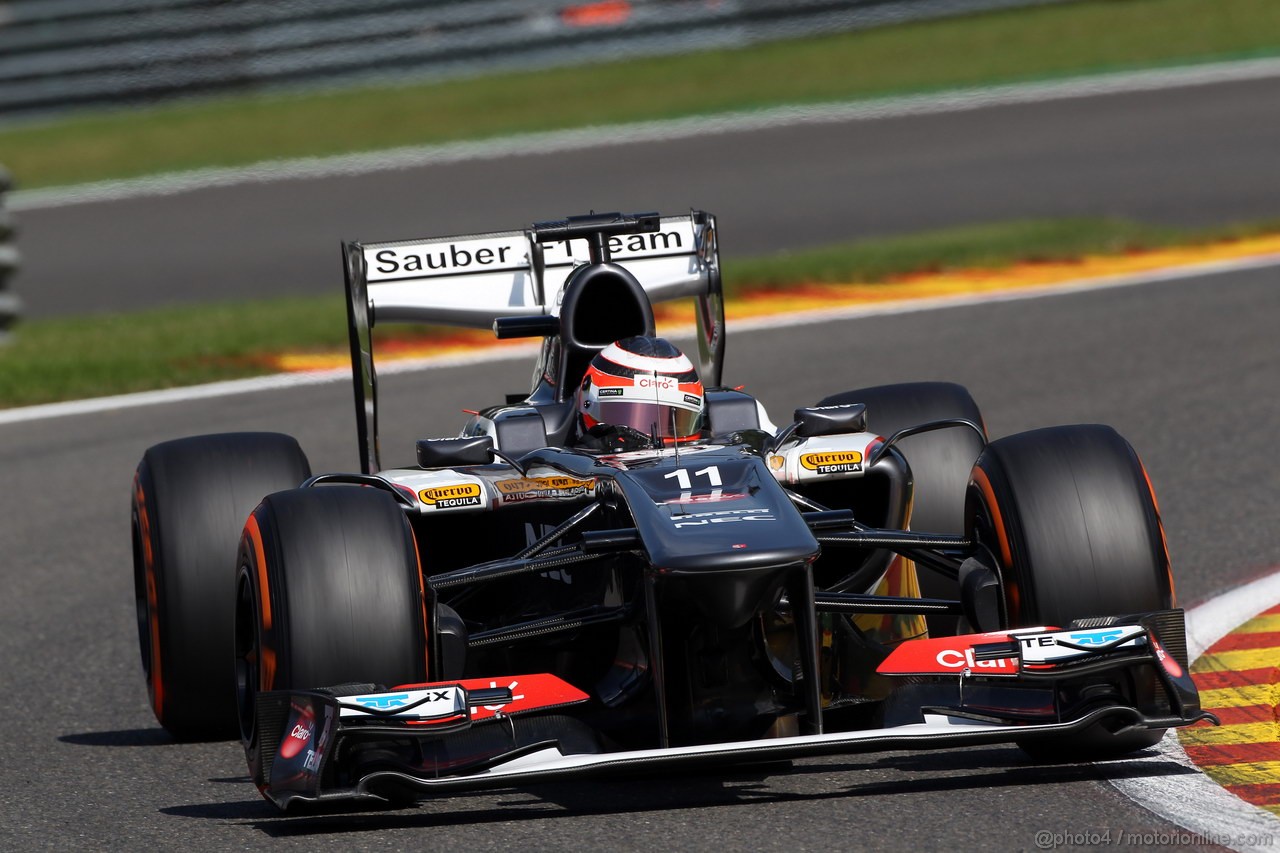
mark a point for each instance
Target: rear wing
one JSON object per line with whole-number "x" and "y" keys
{"x": 473, "y": 280}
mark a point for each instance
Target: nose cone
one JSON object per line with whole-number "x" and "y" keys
{"x": 730, "y": 545}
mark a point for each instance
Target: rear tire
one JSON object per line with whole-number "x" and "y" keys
{"x": 190, "y": 499}
{"x": 330, "y": 592}
{"x": 940, "y": 461}
{"x": 1069, "y": 515}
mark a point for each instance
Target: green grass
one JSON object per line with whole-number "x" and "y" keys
{"x": 61, "y": 359}
{"x": 1036, "y": 43}
{"x": 65, "y": 359}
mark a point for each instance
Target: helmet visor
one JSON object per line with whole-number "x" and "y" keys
{"x": 648, "y": 418}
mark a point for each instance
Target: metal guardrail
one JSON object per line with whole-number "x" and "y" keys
{"x": 60, "y": 54}
{"x": 10, "y": 305}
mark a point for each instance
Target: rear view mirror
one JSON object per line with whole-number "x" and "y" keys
{"x": 831, "y": 420}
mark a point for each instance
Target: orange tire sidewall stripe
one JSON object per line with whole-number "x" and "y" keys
{"x": 422, "y": 597}
{"x": 1164, "y": 543}
{"x": 1012, "y": 589}
{"x": 266, "y": 654}
{"x": 1002, "y": 537}
{"x": 156, "y": 681}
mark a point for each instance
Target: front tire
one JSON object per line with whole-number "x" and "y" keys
{"x": 1069, "y": 516}
{"x": 190, "y": 499}
{"x": 330, "y": 592}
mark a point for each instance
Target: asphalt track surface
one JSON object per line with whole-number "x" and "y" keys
{"x": 1186, "y": 370}
{"x": 1195, "y": 155}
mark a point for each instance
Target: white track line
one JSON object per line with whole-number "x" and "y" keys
{"x": 1192, "y": 800}
{"x": 651, "y": 131}
{"x": 906, "y": 306}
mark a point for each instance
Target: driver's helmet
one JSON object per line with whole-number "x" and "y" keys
{"x": 646, "y": 384}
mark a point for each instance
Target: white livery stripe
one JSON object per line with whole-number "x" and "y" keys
{"x": 676, "y": 364}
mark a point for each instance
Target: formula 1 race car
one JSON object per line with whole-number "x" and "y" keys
{"x": 563, "y": 590}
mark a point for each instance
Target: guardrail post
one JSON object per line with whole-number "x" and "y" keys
{"x": 10, "y": 304}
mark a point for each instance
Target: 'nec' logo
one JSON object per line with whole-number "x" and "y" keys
{"x": 1097, "y": 638}
{"x": 383, "y": 702}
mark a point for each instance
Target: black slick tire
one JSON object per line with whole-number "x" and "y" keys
{"x": 190, "y": 499}
{"x": 330, "y": 592}
{"x": 940, "y": 460}
{"x": 1069, "y": 515}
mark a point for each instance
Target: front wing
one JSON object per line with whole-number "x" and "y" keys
{"x": 412, "y": 742}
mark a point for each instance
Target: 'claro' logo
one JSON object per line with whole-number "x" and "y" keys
{"x": 446, "y": 497}
{"x": 957, "y": 659}
{"x": 833, "y": 462}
